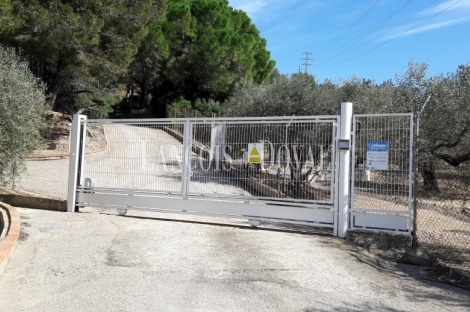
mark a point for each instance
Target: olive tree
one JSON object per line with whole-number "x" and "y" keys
{"x": 444, "y": 122}
{"x": 445, "y": 125}
{"x": 21, "y": 114}
{"x": 284, "y": 95}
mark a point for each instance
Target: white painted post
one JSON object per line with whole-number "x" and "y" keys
{"x": 186, "y": 158}
{"x": 344, "y": 170}
{"x": 75, "y": 138}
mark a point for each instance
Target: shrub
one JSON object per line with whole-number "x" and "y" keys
{"x": 21, "y": 114}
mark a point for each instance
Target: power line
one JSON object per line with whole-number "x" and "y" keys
{"x": 365, "y": 34}
{"x": 349, "y": 28}
{"x": 401, "y": 33}
{"x": 347, "y": 51}
{"x": 383, "y": 21}
{"x": 306, "y": 59}
{"x": 361, "y": 68}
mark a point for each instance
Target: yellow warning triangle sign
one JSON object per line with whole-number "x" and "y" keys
{"x": 254, "y": 152}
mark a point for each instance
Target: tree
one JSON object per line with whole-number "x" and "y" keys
{"x": 288, "y": 95}
{"x": 144, "y": 71}
{"x": 444, "y": 123}
{"x": 449, "y": 106}
{"x": 211, "y": 47}
{"x": 284, "y": 95}
{"x": 96, "y": 39}
{"x": 21, "y": 114}
{"x": 8, "y": 23}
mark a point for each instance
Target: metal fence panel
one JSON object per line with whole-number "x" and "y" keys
{"x": 215, "y": 159}
{"x": 139, "y": 157}
{"x": 381, "y": 179}
{"x": 296, "y": 159}
{"x": 209, "y": 158}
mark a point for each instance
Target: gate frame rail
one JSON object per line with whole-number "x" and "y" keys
{"x": 389, "y": 221}
{"x": 290, "y": 211}
{"x": 338, "y": 215}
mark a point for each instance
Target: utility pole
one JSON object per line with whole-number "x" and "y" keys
{"x": 306, "y": 59}
{"x": 299, "y": 70}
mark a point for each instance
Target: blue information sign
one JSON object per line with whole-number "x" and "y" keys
{"x": 377, "y": 155}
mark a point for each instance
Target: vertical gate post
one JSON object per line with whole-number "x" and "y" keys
{"x": 186, "y": 158}
{"x": 344, "y": 169}
{"x": 76, "y": 149}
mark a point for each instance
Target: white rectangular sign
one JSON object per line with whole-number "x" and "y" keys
{"x": 377, "y": 155}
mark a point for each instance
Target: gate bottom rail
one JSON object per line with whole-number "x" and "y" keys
{"x": 316, "y": 215}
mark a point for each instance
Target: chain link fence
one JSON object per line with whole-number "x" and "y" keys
{"x": 47, "y": 169}
{"x": 443, "y": 222}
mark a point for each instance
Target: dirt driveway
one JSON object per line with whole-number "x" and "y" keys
{"x": 96, "y": 260}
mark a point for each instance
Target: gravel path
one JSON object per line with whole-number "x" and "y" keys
{"x": 146, "y": 261}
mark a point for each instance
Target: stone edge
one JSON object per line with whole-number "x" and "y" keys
{"x": 34, "y": 201}
{"x": 67, "y": 155}
{"x": 9, "y": 243}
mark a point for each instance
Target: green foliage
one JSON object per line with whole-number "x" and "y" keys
{"x": 182, "y": 103}
{"x": 162, "y": 50}
{"x": 21, "y": 114}
{"x": 207, "y": 107}
{"x": 283, "y": 95}
{"x": 97, "y": 39}
{"x": 8, "y": 23}
{"x": 95, "y": 103}
{"x": 201, "y": 107}
{"x": 211, "y": 48}
{"x": 444, "y": 122}
{"x": 301, "y": 94}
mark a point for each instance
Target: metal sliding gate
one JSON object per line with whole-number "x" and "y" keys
{"x": 278, "y": 169}
{"x": 289, "y": 169}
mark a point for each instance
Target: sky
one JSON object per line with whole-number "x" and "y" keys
{"x": 370, "y": 39}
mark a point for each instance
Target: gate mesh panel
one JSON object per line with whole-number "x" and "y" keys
{"x": 297, "y": 160}
{"x": 383, "y": 189}
{"x": 138, "y": 156}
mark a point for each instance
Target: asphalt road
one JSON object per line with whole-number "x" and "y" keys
{"x": 96, "y": 260}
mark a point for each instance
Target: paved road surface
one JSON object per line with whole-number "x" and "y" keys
{"x": 147, "y": 261}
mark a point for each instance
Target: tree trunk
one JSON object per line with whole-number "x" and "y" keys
{"x": 142, "y": 96}
{"x": 299, "y": 181}
{"x": 159, "y": 107}
{"x": 428, "y": 172}
{"x": 131, "y": 100}
{"x": 56, "y": 84}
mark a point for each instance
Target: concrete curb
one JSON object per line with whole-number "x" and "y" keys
{"x": 9, "y": 243}
{"x": 36, "y": 202}
{"x": 21, "y": 198}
